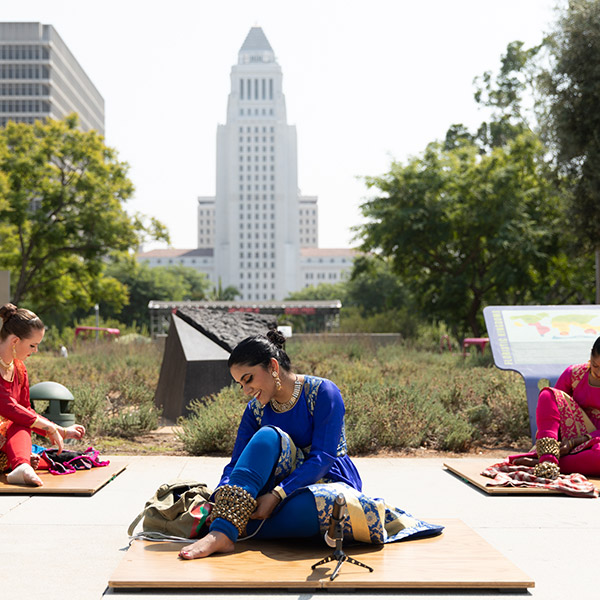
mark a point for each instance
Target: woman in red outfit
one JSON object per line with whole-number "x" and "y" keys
{"x": 20, "y": 335}
{"x": 568, "y": 423}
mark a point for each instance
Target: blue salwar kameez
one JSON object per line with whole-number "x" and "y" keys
{"x": 303, "y": 452}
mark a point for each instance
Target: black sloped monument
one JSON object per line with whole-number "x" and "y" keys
{"x": 196, "y": 351}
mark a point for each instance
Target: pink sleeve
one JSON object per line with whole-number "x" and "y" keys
{"x": 564, "y": 381}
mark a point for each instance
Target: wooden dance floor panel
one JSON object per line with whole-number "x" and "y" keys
{"x": 85, "y": 482}
{"x": 459, "y": 558}
{"x": 469, "y": 470}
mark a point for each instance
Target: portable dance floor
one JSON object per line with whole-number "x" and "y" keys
{"x": 84, "y": 482}
{"x": 457, "y": 559}
{"x": 470, "y": 470}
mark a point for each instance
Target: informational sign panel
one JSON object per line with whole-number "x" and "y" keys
{"x": 540, "y": 342}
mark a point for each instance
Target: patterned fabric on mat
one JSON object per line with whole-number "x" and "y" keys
{"x": 368, "y": 520}
{"x": 505, "y": 474}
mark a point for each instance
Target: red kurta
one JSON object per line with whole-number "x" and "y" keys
{"x": 16, "y": 417}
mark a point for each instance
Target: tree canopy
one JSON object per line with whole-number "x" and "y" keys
{"x": 144, "y": 283}
{"x": 464, "y": 229}
{"x": 573, "y": 87}
{"x": 62, "y": 195}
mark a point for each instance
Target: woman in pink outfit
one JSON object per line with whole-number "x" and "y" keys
{"x": 568, "y": 422}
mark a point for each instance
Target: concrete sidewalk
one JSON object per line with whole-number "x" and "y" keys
{"x": 60, "y": 547}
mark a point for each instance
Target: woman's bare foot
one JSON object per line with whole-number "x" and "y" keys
{"x": 24, "y": 474}
{"x": 212, "y": 542}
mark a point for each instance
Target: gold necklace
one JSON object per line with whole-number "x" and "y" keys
{"x": 5, "y": 364}
{"x": 284, "y": 407}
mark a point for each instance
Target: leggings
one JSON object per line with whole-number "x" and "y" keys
{"x": 18, "y": 445}
{"x": 254, "y": 472}
{"x": 560, "y": 417}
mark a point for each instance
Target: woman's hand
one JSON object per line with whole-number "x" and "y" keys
{"x": 265, "y": 505}
{"x": 75, "y": 432}
{"x": 54, "y": 436}
{"x": 567, "y": 445}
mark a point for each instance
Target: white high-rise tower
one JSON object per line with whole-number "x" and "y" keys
{"x": 257, "y": 240}
{"x": 258, "y": 234}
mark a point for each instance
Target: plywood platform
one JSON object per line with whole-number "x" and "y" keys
{"x": 470, "y": 470}
{"x": 84, "y": 482}
{"x": 457, "y": 559}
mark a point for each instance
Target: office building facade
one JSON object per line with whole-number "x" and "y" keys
{"x": 40, "y": 79}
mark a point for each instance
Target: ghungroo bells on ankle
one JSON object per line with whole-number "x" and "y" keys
{"x": 547, "y": 445}
{"x": 234, "y": 504}
{"x": 548, "y": 451}
{"x": 547, "y": 469}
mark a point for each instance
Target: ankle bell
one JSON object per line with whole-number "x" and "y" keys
{"x": 548, "y": 451}
{"x": 234, "y": 504}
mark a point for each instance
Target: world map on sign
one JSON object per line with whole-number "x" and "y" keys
{"x": 550, "y": 326}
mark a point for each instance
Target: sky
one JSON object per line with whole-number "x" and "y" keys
{"x": 366, "y": 83}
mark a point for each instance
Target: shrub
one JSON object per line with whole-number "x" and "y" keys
{"x": 396, "y": 398}
{"x": 113, "y": 384}
{"x": 212, "y": 424}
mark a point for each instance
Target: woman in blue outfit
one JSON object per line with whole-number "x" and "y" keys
{"x": 290, "y": 461}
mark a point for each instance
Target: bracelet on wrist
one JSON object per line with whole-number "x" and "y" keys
{"x": 278, "y": 491}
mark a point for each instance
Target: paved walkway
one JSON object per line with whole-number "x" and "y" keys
{"x": 54, "y": 547}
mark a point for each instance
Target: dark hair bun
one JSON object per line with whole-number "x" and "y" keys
{"x": 7, "y": 311}
{"x": 276, "y": 338}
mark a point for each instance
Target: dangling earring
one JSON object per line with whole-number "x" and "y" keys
{"x": 277, "y": 380}
{"x": 14, "y": 351}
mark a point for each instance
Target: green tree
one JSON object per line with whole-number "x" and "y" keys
{"x": 573, "y": 86}
{"x": 197, "y": 284}
{"x": 373, "y": 286}
{"x": 62, "y": 193}
{"x": 465, "y": 230}
{"x": 144, "y": 283}
{"x": 227, "y": 294}
{"x": 511, "y": 96}
{"x": 323, "y": 291}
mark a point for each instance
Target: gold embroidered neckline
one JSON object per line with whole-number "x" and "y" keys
{"x": 284, "y": 407}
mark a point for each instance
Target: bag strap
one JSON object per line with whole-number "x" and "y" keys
{"x": 135, "y": 522}
{"x": 157, "y": 536}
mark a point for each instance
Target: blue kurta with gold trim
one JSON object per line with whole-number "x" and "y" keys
{"x": 316, "y": 427}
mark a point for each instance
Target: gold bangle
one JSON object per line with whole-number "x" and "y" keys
{"x": 278, "y": 491}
